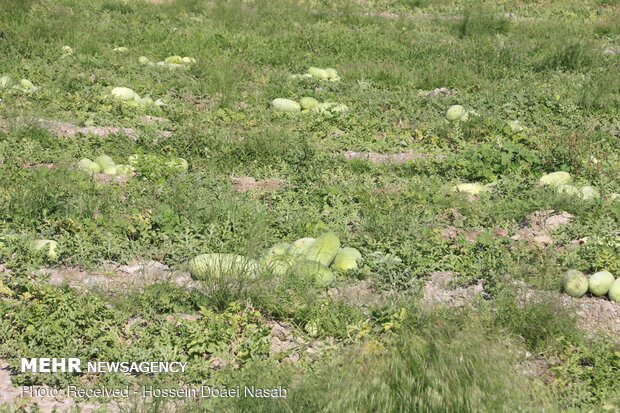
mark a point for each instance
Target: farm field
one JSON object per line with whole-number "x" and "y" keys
{"x": 183, "y": 181}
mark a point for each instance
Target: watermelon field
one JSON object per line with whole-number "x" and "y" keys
{"x": 310, "y": 206}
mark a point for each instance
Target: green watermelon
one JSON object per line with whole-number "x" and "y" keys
{"x": 48, "y": 247}
{"x": 555, "y": 179}
{"x": 455, "y": 112}
{"x": 318, "y": 73}
{"x": 589, "y": 193}
{"x": 324, "y": 249}
{"x": 278, "y": 265}
{"x": 346, "y": 259}
{"x": 614, "y": 291}
{"x": 286, "y": 105}
{"x": 315, "y": 272}
{"x": 600, "y": 282}
{"x": 123, "y": 93}
{"x": 278, "y": 249}
{"x": 217, "y": 266}
{"x": 575, "y": 283}
{"x": 300, "y": 246}
{"x": 308, "y": 103}
{"x": 104, "y": 162}
{"x": 89, "y": 166}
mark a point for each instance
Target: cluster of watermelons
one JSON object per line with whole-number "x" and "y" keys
{"x": 309, "y": 104}
{"x": 103, "y": 164}
{"x": 171, "y": 62}
{"x": 602, "y": 283}
{"x": 23, "y": 86}
{"x": 310, "y": 259}
{"x": 131, "y": 98}
{"x": 561, "y": 181}
{"x": 136, "y": 163}
{"x": 320, "y": 74}
{"x": 557, "y": 181}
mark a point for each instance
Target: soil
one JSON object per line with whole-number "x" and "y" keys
{"x": 289, "y": 346}
{"x": 534, "y": 228}
{"x": 384, "y": 158}
{"x": 112, "y": 277}
{"x": 437, "y": 291}
{"x": 68, "y": 129}
{"x": 245, "y": 183}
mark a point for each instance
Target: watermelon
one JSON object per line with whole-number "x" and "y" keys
{"x": 216, "y": 266}
{"x": 332, "y": 74}
{"x": 614, "y": 291}
{"x": 314, "y": 272}
{"x": 324, "y": 249}
{"x": 123, "y": 170}
{"x": 48, "y": 247}
{"x": 278, "y": 249}
{"x": 568, "y": 190}
{"x": 104, "y": 162}
{"x": 286, "y": 105}
{"x": 575, "y": 283}
{"x": 589, "y": 193}
{"x": 300, "y": 246}
{"x": 318, "y": 73}
{"x": 346, "y": 259}
{"x": 455, "y": 112}
{"x": 88, "y": 165}
{"x": 110, "y": 170}
{"x": 555, "y": 179}
{"x": 123, "y": 93}
{"x": 329, "y": 109}
{"x": 472, "y": 189}
{"x": 308, "y": 103}
{"x": 278, "y": 265}
{"x": 174, "y": 59}
{"x": 600, "y": 282}
{"x": 5, "y": 81}
{"x": 178, "y": 164}
{"x": 145, "y": 101}
{"x": 514, "y": 126}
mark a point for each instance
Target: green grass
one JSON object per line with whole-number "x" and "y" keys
{"x": 551, "y": 65}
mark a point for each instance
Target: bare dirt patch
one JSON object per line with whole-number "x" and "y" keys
{"x": 452, "y": 232}
{"x": 29, "y": 165}
{"x": 536, "y": 226}
{"x": 534, "y": 229}
{"x": 68, "y": 129}
{"x": 116, "y": 278}
{"x": 437, "y": 291}
{"x": 120, "y": 179}
{"x": 149, "y": 118}
{"x": 361, "y": 294}
{"x": 439, "y": 92}
{"x": 287, "y": 344}
{"x": 547, "y": 219}
{"x": 384, "y": 158}
{"x": 245, "y": 183}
